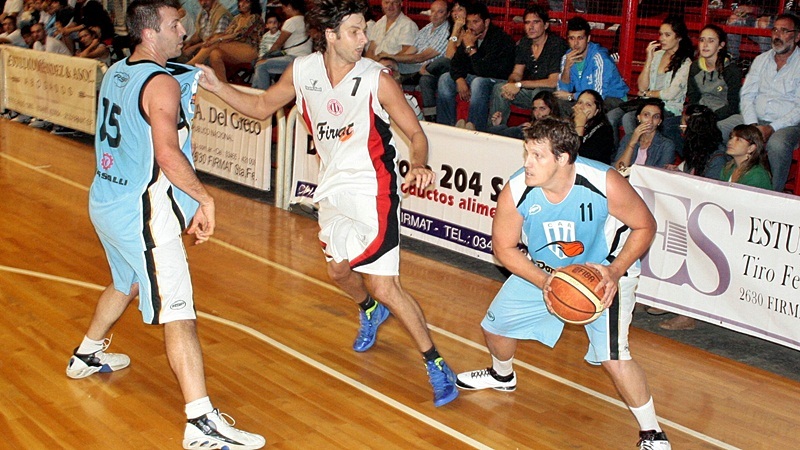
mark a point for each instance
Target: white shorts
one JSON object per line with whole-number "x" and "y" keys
{"x": 362, "y": 229}
{"x": 518, "y": 311}
{"x": 165, "y": 286}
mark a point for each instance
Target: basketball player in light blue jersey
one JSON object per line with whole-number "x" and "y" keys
{"x": 347, "y": 102}
{"x": 568, "y": 210}
{"x": 144, "y": 194}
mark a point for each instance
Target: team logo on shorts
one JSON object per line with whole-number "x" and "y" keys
{"x": 334, "y": 107}
{"x": 107, "y": 161}
{"x": 561, "y": 239}
{"x": 180, "y": 304}
{"x": 490, "y": 316}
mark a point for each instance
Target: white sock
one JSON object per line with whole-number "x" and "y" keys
{"x": 199, "y": 407}
{"x": 646, "y": 416}
{"x": 89, "y": 346}
{"x": 503, "y": 368}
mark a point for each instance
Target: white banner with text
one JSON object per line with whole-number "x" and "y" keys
{"x": 230, "y": 145}
{"x": 723, "y": 253}
{"x": 57, "y": 88}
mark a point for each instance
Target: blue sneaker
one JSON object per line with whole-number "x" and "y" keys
{"x": 443, "y": 381}
{"x": 368, "y": 328}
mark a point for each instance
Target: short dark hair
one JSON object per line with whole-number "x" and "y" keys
{"x": 539, "y": 11}
{"x": 795, "y": 20}
{"x": 255, "y": 7}
{"x": 559, "y": 132}
{"x": 478, "y": 8}
{"x": 299, "y": 5}
{"x": 579, "y": 24}
{"x": 329, "y": 15}
{"x": 143, "y": 14}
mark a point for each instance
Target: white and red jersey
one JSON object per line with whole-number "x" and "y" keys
{"x": 349, "y": 126}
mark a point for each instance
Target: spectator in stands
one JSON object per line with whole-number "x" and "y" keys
{"x": 63, "y": 19}
{"x": 537, "y": 63}
{"x": 544, "y": 104}
{"x": 591, "y": 124}
{"x": 750, "y": 13}
{"x": 714, "y": 81}
{"x": 665, "y": 76}
{"x": 484, "y": 58}
{"x": 11, "y": 9}
{"x": 121, "y": 45}
{"x": 29, "y": 14}
{"x": 393, "y": 66}
{"x": 703, "y": 150}
{"x": 292, "y": 42}
{"x": 558, "y": 5}
{"x": 239, "y": 43}
{"x": 750, "y": 164}
{"x": 53, "y": 8}
{"x": 92, "y": 14}
{"x": 212, "y": 21}
{"x": 588, "y": 65}
{"x": 432, "y": 71}
{"x": 11, "y": 34}
{"x": 392, "y": 34}
{"x": 770, "y": 98}
{"x": 272, "y": 29}
{"x": 44, "y": 43}
{"x": 430, "y": 44}
{"x": 646, "y": 145}
{"x": 92, "y": 47}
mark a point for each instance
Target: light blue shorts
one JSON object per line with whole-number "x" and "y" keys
{"x": 518, "y": 311}
{"x": 165, "y": 286}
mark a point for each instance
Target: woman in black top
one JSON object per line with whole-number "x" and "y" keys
{"x": 591, "y": 124}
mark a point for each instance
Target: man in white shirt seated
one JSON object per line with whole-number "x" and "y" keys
{"x": 11, "y": 34}
{"x": 44, "y": 43}
{"x": 392, "y": 34}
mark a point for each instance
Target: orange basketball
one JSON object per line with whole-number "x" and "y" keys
{"x": 572, "y": 294}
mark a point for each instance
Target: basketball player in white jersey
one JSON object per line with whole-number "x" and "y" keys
{"x": 142, "y": 127}
{"x": 347, "y": 102}
{"x": 568, "y": 210}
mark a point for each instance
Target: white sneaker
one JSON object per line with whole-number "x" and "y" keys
{"x": 215, "y": 430}
{"x": 486, "y": 379}
{"x": 81, "y": 366}
{"x": 652, "y": 440}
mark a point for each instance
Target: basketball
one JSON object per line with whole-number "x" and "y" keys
{"x": 572, "y": 294}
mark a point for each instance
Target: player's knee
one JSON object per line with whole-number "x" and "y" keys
{"x": 339, "y": 271}
{"x": 385, "y": 288}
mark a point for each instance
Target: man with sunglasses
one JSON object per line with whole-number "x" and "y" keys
{"x": 770, "y": 98}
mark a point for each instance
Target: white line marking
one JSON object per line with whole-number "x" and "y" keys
{"x": 344, "y": 378}
{"x": 291, "y": 352}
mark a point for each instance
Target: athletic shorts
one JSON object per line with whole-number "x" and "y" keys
{"x": 518, "y": 311}
{"x": 361, "y": 229}
{"x": 165, "y": 287}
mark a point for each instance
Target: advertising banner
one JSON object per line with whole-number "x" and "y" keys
{"x": 56, "y": 88}
{"x": 230, "y": 145}
{"x": 723, "y": 253}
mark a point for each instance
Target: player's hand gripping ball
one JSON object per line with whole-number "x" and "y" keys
{"x": 572, "y": 295}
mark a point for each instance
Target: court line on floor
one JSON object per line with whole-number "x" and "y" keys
{"x": 427, "y": 420}
{"x": 325, "y": 285}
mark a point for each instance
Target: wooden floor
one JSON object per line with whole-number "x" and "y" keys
{"x": 276, "y": 337}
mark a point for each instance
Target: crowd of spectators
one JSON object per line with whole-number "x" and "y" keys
{"x": 461, "y": 56}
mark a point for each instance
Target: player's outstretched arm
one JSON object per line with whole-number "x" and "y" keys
{"x": 394, "y": 102}
{"x": 506, "y": 231}
{"x": 625, "y": 204}
{"x": 160, "y": 102}
{"x": 259, "y": 106}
